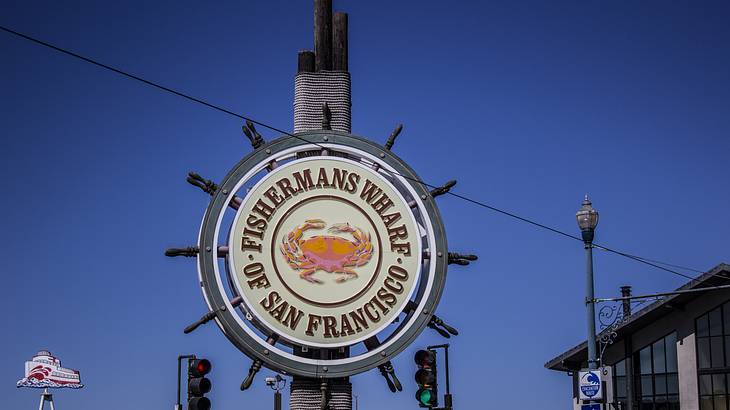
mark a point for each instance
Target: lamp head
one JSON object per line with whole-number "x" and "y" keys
{"x": 587, "y": 218}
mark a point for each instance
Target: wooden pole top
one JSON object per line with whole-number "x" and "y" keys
{"x": 323, "y": 34}
{"x": 339, "y": 41}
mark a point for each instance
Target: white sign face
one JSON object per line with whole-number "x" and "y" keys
{"x": 325, "y": 252}
{"x": 589, "y": 385}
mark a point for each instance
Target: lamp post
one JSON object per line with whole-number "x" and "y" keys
{"x": 587, "y": 220}
{"x": 277, "y": 384}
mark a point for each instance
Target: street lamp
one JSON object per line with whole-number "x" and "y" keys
{"x": 587, "y": 220}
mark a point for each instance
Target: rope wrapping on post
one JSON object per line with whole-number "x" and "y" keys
{"x": 312, "y": 90}
{"x": 306, "y": 394}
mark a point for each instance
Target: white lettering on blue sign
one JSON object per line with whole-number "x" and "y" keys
{"x": 589, "y": 385}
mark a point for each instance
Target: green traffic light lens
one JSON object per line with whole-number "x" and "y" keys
{"x": 424, "y": 396}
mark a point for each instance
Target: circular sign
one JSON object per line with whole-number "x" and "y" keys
{"x": 325, "y": 252}
{"x": 590, "y": 385}
{"x": 332, "y": 241}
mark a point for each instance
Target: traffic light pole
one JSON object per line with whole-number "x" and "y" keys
{"x": 178, "y": 406}
{"x": 448, "y": 401}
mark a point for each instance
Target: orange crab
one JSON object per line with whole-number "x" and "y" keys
{"x": 331, "y": 254}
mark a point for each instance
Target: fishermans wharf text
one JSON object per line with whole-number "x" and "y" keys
{"x": 287, "y": 188}
{"x": 360, "y": 314}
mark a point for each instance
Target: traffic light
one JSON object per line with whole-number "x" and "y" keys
{"x": 198, "y": 384}
{"x": 427, "y": 394}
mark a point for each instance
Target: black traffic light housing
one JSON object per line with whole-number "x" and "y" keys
{"x": 198, "y": 384}
{"x": 427, "y": 394}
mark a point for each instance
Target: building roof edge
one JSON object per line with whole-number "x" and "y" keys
{"x": 561, "y": 362}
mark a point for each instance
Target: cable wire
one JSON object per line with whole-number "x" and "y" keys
{"x": 140, "y": 79}
{"x": 654, "y": 263}
{"x": 644, "y": 261}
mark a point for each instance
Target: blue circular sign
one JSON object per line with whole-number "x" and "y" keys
{"x": 590, "y": 384}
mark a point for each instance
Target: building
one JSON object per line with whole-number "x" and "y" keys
{"x": 672, "y": 354}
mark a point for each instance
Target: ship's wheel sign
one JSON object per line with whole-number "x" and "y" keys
{"x": 321, "y": 255}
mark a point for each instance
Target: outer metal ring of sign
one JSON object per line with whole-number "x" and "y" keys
{"x": 252, "y": 344}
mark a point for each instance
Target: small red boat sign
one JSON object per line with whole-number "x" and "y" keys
{"x": 44, "y": 371}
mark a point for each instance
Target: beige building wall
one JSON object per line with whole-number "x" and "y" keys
{"x": 687, "y": 365}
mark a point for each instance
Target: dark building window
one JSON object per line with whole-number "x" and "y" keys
{"x": 619, "y": 385}
{"x": 712, "y": 331}
{"x": 656, "y": 379}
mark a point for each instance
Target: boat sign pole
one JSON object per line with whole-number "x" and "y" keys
{"x": 46, "y": 397}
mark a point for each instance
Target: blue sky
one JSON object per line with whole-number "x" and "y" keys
{"x": 528, "y": 104}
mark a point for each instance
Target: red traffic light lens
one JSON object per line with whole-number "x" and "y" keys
{"x": 425, "y": 358}
{"x": 200, "y": 367}
{"x": 203, "y": 366}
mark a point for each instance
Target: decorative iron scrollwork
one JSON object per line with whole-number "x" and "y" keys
{"x": 610, "y": 314}
{"x": 611, "y": 317}
{"x": 609, "y": 329}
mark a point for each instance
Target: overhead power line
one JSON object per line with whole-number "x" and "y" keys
{"x": 646, "y": 261}
{"x": 650, "y": 262}
{"x": 660, "y": 262}
{"x": 140, "y": 79}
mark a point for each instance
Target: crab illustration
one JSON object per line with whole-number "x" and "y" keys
{"x": 332, "y": 254}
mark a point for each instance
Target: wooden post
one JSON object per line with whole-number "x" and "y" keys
{"x": 325, "y": 91}
{"x": 339, "y": 41}
{"x": 306, "y": 61}
{"x": 323, "y": 34}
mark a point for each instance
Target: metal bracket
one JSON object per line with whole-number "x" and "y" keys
{"x": 444, "y": 329}
{"x": 393, "y": 135}
{"x": 435, "y": 322}
{"x": 445, "y": 188}
{"x": 250, "y": 130}
{"x": 255, "y": 367}
{"x": 208, "y": 186}
{"x": 461, "y": 259}
{"x": 388, "y": 372}
{"x": 235, "y": 302}
{"x": 192, "y": 251}
{"x": 189, "y": 252}
{"x": 257, "y": 363}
